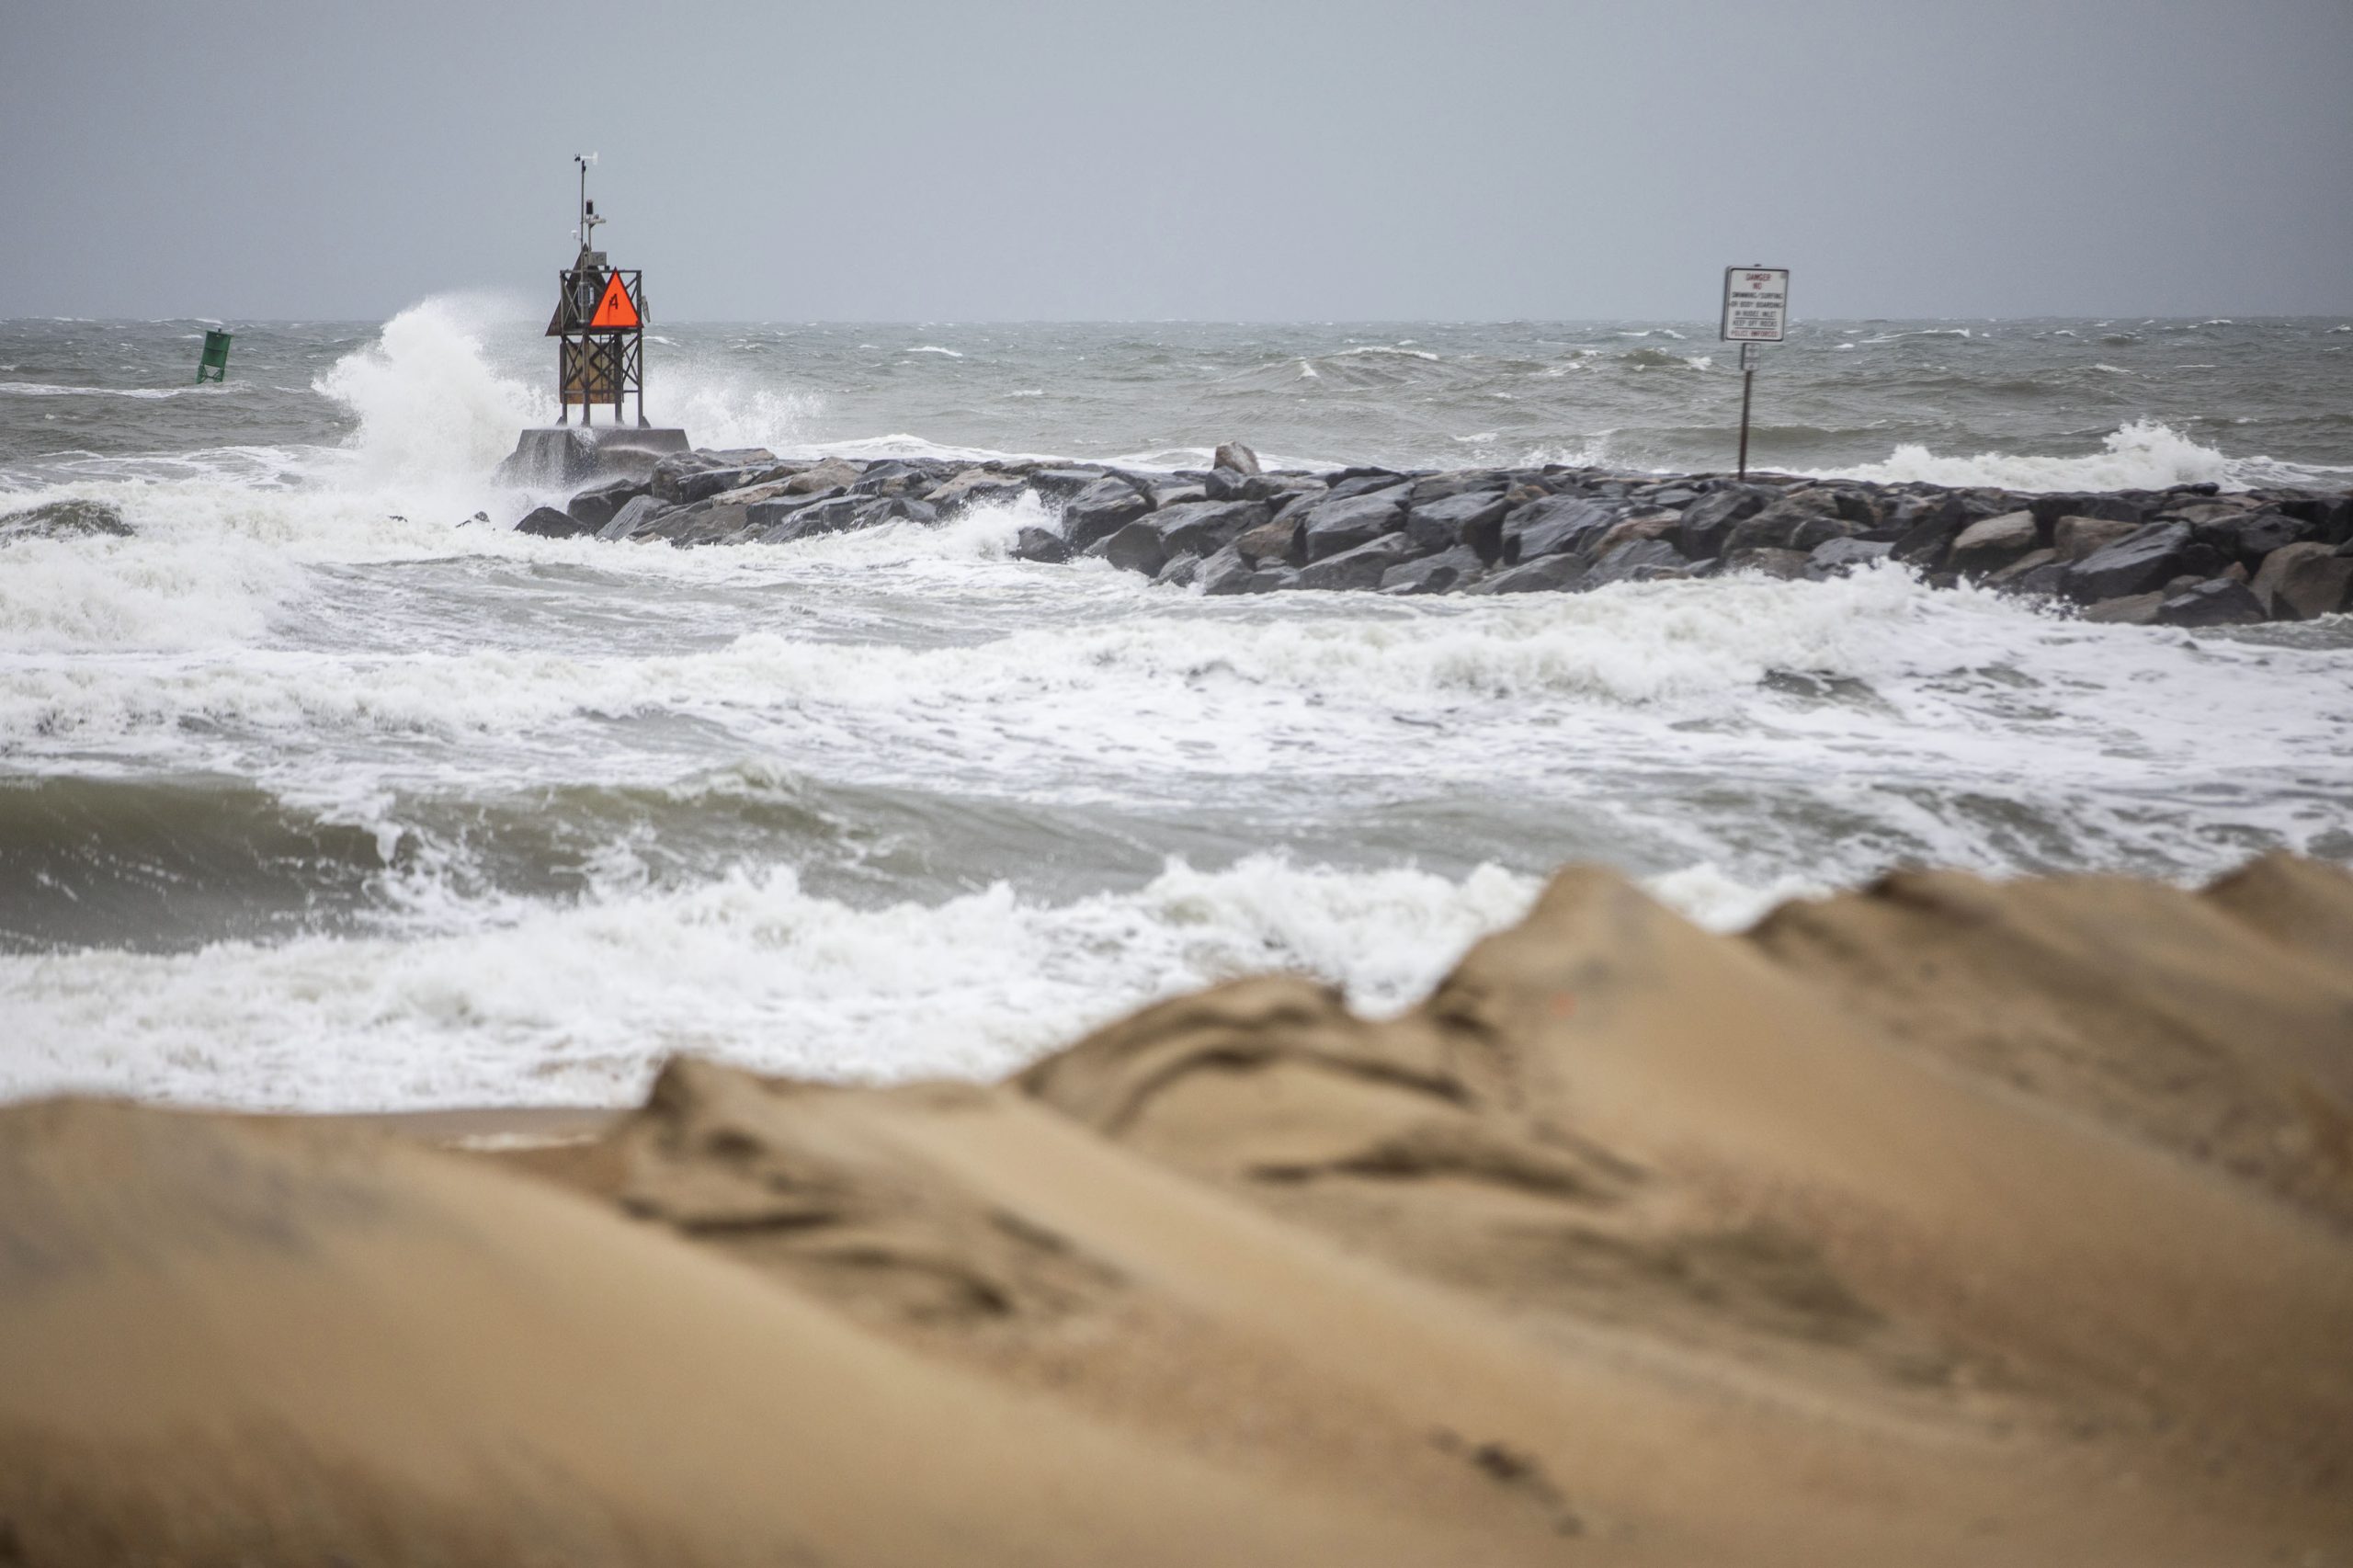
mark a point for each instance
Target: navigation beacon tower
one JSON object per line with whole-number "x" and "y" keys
{"x": 600, "y": 321}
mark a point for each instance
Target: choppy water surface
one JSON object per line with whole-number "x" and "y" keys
{"x": 310, "y": 795}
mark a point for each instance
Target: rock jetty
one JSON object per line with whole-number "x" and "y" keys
{"x": 2187, "y": 555}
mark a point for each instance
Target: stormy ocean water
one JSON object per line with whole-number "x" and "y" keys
{"x": 317, "y": 790}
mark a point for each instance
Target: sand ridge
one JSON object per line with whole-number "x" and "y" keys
{"x": 1941, "y": 1222}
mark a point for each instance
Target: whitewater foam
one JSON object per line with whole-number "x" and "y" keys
{"x": 2142, "y": 454}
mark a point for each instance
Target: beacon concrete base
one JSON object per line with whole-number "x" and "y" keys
{"x": 566, "y": 454}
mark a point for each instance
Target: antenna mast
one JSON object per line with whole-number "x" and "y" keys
{"x": 588, "y": 219}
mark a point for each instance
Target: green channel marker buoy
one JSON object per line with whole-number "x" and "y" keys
{"x": 215, "y": 358}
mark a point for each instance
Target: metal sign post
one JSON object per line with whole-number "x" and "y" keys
{"x": 1757, "y": 307}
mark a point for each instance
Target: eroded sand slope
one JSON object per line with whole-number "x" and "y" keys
{"x": 1944, "y": 1222}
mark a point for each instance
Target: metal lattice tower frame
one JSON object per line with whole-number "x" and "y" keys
{"x": 597, "y": 364}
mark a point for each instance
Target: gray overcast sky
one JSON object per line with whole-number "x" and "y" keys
{"x": 1258, "y": 159}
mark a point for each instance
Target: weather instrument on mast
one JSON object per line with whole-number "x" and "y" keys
{"x": 600, "y": 319}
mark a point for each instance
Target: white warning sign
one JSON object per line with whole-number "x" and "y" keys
{"x": 1757, "y": 303}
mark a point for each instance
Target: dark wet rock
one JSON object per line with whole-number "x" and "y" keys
{"x": 1367, "y": 482}
{"x": 1040, "y": 544}
{"x": 2133, "y": 609}
{"x": 1362, "y": 567}
{"x": 976, "y": 487}
{"x": 1339, "y": 523}
{"x": 899, "y": 508}
{"x": 65, "y": 519}
{"x": 1636, "y": 560}
{"x": 833, "y": 515}
{"x": 1837, "y": 557}
{"x": 1472, "y": 518}
{"x": 1134, "y": 548}
{"x": 1441, "y": 573}
{"x": 1463, "y": 481}
{"x": 635, "y": 517}
{"x": 2077, "y": 537}
{"x": 2305, "y": 581}
{"x": 1768, "y": 561}
{"x": 1928, "y": 525}
{"x": 594, "y": 506}
{"x": 762, "y": 516}
{"x": 1055, "y": 485}
{"x": 1556, "y": 524}
{"x": 1240, "y": 459}
{"x": 1629, "y": 531}
{"x": 2216, "y": 602}
{"x": 1232, "y": 485}
{"x": 1204, "y": 527}
{"x": 1274, "y": 543}
{"x": 2142, "y": 561}
{"x": 2330, "y": 515}
{"x": 1179, "y": 572}
{"x": 1795, "y": 523}
{"x": 1546, "y": 574}
{"x": 546, "y": 522}
{"x": 683, "y": 477}
{"x": 1228, "y": 572}
{"x": 2248, "y": 537}
{"x": 1985, "y": 546}
{"x": 2014, "y": 576}
{"x": 1100, "y": 510}
{"x": 1707, "y": 521}
{"x": 2050, "y": 507}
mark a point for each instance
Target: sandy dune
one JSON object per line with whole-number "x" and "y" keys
{"x": 1945, "y": 1221}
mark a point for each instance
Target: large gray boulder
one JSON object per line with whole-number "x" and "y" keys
{"x": 1636, "y": 560}
{"x": 1136, "y": 547}
{"x": 1232, "y": 485}
{"x": 546, "y": 522}
{"x": 1236, "y": 457}
{"x": 1554, "y": 525}
{"x": 1055, "y": 485}
{"x": 2149, "y": 557}
{"x": 2220, "y": 601}
{"x": 836, "y": 513}
{"x": 1798, "y": 522}
{"x": 638, "y": 514}
{"x": 1040, "y": 544}
{"x": 1985, "y": 546}
{"x": 1439, "y": 574}
{"x": 1100, "y": 510}
{"x": 1708, "y": 520}
{"x": 1546, "y": 574}
{"x": 1274, "y": 543}
{"x": 1769, "y": 562}
{"x": 2133, "y": 609}
{"x": 2079, "y": 536}
{"x": 1837, "y": 557}
{"x": 1204, "y": 527}
{"x": 1468, "y": 518}
{"x": 1228, "y": 572}
{"x": 1927, "y": 526}
{"x": 976, "y": 487}
{"x": 2248, "y": 537}
{"x": 1339, "y": 523}
{"x": 1364, "y": 482}
{"x": 682, "y": 477}
{"x": 2306, "y": 581}
{"x": 594, "y": 507}
{"x": 1362, "y": 567}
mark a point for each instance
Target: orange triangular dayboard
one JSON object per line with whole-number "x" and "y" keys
{"x": 615, "y": 310}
